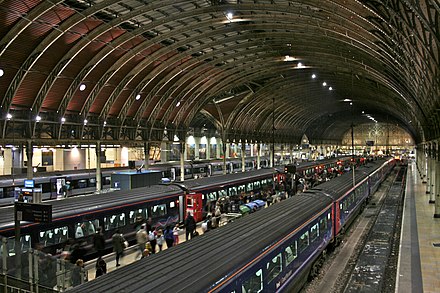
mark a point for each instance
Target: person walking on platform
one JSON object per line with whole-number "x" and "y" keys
{"x": 160, "y": 239}
{"x": 190, "y": 226}
{"x": 169, "y": 236}
{"x": 141, "y": 238}
{"x": 99, "y": 242}
{"x": 176, "y": 234}
{"x": 118, "y": 245}
{"x": 101, "y": 267}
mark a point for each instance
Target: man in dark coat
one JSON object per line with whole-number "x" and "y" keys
{"x": 99, "y": 242}
{"x": 190, "y": 226}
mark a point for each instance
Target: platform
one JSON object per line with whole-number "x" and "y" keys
{"x": 419, "y": 259}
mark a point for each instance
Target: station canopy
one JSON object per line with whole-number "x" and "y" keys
{"x": 146, "y": 70}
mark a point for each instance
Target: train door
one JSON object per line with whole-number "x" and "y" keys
{"x": 209, "y": 170}
{"x": 56, "y": 186}
{"x": 173, "y": 174}
{"x": 194, "y": 205}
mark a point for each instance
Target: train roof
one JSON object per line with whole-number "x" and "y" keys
{"x": 195, "y": 265}
{"x": 338, "y": 188}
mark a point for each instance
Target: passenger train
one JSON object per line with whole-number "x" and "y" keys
{"x": 78, "y": 218}
{"x": 273, "y": 250}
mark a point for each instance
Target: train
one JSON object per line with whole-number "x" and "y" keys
{"x": 273, "y": 250}
{"x": 165, "y": 204}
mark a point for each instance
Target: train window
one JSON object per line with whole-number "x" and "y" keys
{"x": 137, "y": 214}
{"x": 221, "y": 193}
{"x": 172, "y": 204}
{"x": 303, "y": 242}
{"x": 241, "y": 188}
{"x": 86, "y": 228}
{"x": 159, "y": 210}
{"x": 212, "y": 196}
{"x": 290, "y": 253}
{"x": 274, "y": 267}
{"x": 106, "y": 180}
{"x": 53, "y": 236}
{"x": 323, "y": 225}
{"x": 250, "y": 187}
{"x": 233, "y": 191}
{"x": 115, "y": 221}
{"x": 257, "y": 185}
{"x": 92, "y": 182}
{"x": 254, "y": 284}
{"x": 82, "y": 183}
{"x": 314, "y": 232}
{"x": 25, "y": 244}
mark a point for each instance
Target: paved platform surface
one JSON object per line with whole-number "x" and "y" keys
{"x": 419, "y": 259}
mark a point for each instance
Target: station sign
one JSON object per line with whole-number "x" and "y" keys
{"x": 32, "y": 212}
{"x": 29, "y": 183}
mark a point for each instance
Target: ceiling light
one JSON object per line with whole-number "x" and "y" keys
{"x": 38, "y": 118}
{"x": 85, "y": 121}
{"x": 313, "y": 76}
{"x": 1, "y": 72}
{"x": 105, "y": 123}
{"x": 63, "y": 119}
{"x": 346, "y": 100}
{"x": 229, "y": 16}
{"x": 178, "y": 104}
{"x": 330, "y": 88}
{"x": 82, "y": 87}
{"x": 300, "y": 65}
{"x": 9, "y": 116}
{"x": 288, "y": 58}
{"x": 324, "y": 84}
{"x": 138, "y": 97}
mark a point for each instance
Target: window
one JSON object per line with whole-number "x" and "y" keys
{"x": 137, "y": 214}
{"x": 314, "y": 232}
{"x": 274, "y": 267}
{"x": 86, "y": 228}
{"x": 221, "y": 193}
{"x": 53, "y": 236}
{"x": 257, "y": 185}
{"x": 250, "y": 187}
{"x": 232, "y": 191}
{"x": 323, "y": 225}
{"x": 158, "y": 210}
{"x": 264, "y": 182}
{"x": 241, "y": 188}
{"x": 303, "y": 242}
{"x": 254, "y": 284}
{"x": 115, "y": 221}
{"x": 25, "y": 244}
{"x": 212, "y": 196}
{"x": 290, "y": 253}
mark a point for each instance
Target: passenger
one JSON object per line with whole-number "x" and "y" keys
{"x": 118, "y": 245}
{"x": 160, "y": 239}
{"x": 101, "y": 267}
{"x": 79, "y": 231}
{"x": 176, "y": 234}
{"x": 148, "y": 249}
{"x": 141, "y": 238}
{"x": 169, "y": 236}
{"x": 99, "y": 242}
{"x": 76, "y": 273}
{"x": 190, "y": 226}
{"x": 152, "y": 240}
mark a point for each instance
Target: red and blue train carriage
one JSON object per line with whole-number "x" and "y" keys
{"x": 272, "y": 250}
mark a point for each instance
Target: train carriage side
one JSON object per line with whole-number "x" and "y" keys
{"x": 349, "y": 200}
{"x": 78, "y": 218}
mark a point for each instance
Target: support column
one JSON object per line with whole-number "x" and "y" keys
{"x": 147, "y": 155}
{"x": 243, "y": 155}
{"x": 424, "y": 164}
{"x": 272, "y": 156}
{"x": 98, "y": 166}
{"x": 196, "y": 148}
{"x": 182, "y": 160}
{"x": 437, "y": 181}
{"x": 258, "y": 156}
{"x": 433, "y": 172}
{"x": 224, "y": 148}
{"x": 29, "y": 154}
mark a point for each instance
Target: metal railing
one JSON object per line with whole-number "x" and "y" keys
{"x": 31, "y": 270}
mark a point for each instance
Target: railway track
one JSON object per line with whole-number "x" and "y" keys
{"x": 341, "y": 268}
